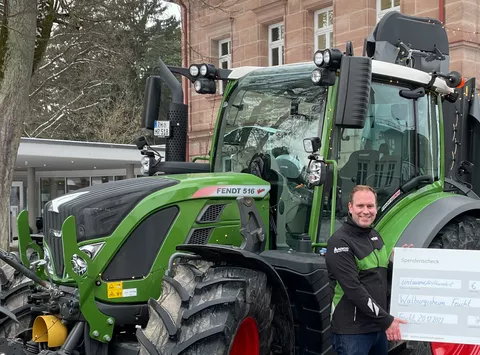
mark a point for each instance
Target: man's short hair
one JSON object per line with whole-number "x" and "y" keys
{"x": 362, "y": 188}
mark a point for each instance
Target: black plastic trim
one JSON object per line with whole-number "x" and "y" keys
{"x": 125, "y": 313}
{"x": 146, "y": 240}
{"x": 178, "y": 167}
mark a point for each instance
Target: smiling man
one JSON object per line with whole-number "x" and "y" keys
{"x": 357, "y": 263}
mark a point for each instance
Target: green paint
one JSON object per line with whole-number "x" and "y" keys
{"x": 399, "y": 217}
{"x": 326, "y": 132}
{"x": 25, "y": 242}
{"x": 86, "y": 284}
{"x": 334, "y": 195}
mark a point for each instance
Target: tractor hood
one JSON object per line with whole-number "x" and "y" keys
{"x": 99, "y": 210}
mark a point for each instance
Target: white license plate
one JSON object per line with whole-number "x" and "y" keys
{"x": 161, "y": 129}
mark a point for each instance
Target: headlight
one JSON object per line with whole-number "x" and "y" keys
{"x": 203, "y": 69}
{"x": 79, "y": 264}
{"x": 145, "y": 168}
{"x": 316, "y": 75}
{"x": 48, "y": 259}
{"x": 327, "y": 57}
{"x": 318, "y": 58}
{"x": 316, "y": 174}
{"x": 194, "y": 70}
{"x": 198, "y": 86}
{"x": 92, "y": 249}
{"x": 205, "y": 86}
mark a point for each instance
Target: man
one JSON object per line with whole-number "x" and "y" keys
{"x": 357, "y": 264}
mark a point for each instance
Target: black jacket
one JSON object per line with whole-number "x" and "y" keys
{"x": 358, "y": 263}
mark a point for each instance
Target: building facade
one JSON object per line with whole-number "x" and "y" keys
{"x": 238, "y": 33}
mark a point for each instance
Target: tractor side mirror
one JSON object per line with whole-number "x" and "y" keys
{"x": 151, "y": 102}
{"x": 353, "y": 94}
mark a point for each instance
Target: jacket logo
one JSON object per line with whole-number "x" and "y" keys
{"x": 340, "y": 250}
{"x": 374, "y": 238}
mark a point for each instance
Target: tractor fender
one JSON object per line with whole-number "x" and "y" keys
{"x": 425, "y": 225}
{"x": 283, "y": 318}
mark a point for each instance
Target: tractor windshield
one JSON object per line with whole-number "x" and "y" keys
{"x": 265, "y": 118}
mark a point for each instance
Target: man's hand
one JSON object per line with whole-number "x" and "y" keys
{"x": 403, "y": 246}
{"x": 393, "y": 332}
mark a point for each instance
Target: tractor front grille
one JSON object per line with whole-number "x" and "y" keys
{"x": 53, "y": 237}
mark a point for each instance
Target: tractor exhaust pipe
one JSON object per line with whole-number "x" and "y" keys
{"x": 176, "y": 143}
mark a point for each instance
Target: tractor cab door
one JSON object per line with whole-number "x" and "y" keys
{"x": 400, "y": 141}
{"x": 262, "y": 130}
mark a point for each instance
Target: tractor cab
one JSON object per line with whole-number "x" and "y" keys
{"x": 266, "y": 116}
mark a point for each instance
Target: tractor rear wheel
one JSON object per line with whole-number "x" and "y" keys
{"x": 15, "y": 299}
{"x": 15, "y": 291}
{"x": 210, "y": 309}
{"x": 461, "y": 233}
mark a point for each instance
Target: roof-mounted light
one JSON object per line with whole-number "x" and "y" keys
{"x": 318, "y": 58}
{"x": 208, "y": 71}
{"x": 328, "y": 58}
{"x": 194, "y": 70}
{"x": 205, "y": 86}
{"x": 323, "y": 77}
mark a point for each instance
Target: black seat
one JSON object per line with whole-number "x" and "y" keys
{"x": 260, "y": 165}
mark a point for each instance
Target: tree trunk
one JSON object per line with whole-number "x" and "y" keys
{"x": 14, "y": 100}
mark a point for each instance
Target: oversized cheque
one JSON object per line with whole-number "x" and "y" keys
{"x": 438, "y": 292}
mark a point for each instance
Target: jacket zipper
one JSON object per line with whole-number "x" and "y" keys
{"x": 355, "y": 314}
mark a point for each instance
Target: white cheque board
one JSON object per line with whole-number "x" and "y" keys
{"x": 438, "y": 293}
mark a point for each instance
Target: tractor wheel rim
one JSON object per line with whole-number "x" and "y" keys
{"x": 247, "y": 339}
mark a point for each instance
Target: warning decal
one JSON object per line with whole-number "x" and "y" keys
{"x": 115, "y": 289}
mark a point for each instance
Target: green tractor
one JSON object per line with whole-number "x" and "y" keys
{"x": 227, "y": 257}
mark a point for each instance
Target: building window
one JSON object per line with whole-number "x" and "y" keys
{"x": 224, "y": 60}
{"x": 225, "y": 53}
{"x": 384, "y": 6}
{"x": 76, "y": 183}
{"x": 323, "y": 23}
{"x": 96, "y": 180}
{"x": 276, "y": 35}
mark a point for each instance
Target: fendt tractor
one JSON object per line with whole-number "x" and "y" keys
{"x": 228, "y": 256}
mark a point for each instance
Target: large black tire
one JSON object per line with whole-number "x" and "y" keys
{"x": 16, "y": 289}
{"x": 461, "y": 233}
{"x": 202, "y": 307}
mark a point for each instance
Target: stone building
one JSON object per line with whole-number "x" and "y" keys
{"x": 237, "y": 33}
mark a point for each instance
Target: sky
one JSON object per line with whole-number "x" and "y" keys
{"x": 173, "y": 9}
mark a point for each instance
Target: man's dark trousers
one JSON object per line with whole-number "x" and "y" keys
{"x": 360, "y": 344}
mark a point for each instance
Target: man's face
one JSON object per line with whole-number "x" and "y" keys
{"x": 363, "y": 208}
